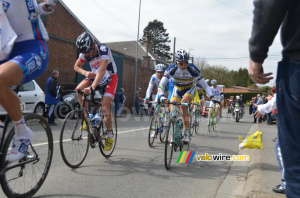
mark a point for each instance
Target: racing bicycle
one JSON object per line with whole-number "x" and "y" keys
{"x": 78, "y": 134}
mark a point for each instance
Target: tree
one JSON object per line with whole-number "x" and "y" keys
{"x": 265, "y": 89}
{"x": 159, "y": 38}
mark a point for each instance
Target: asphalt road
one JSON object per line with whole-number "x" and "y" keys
{"x": 136, "y": 170}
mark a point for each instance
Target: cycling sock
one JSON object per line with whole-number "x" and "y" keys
{"x": 20, "y": 126}
{"x": 110, "y": 133}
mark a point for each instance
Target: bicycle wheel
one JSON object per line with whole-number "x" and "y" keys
{"x": 152, "y": 128}
{"x": 73, "y": 140}
{"x": 164, "y": 127}
{"x": 169, "y": 145}
{"x": 197, "y": 121}
{"x": 192, "y": 123}
{"x": 26, "y": 179}
{"x": 103, "y": 137}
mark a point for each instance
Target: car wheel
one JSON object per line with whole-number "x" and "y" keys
{"x": 39, "y": 109}
{"x": 63, "y": 110}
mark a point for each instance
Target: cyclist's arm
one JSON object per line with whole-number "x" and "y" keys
{"x": 162, "y": 85}
{"x": 150, "y": 87}
{"x": 78, "y": 67}
{"x": 205, "y": 86}
{"x": 100, "y": 73}
{"x": 43, "y": 10}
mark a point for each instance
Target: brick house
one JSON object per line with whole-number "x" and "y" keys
{"x": 64, "y": 27}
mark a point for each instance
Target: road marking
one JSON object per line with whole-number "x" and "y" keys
{"x": 41, "y": 144}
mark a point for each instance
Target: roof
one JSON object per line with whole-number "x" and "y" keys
{"x": 77, "y": 19}
{"x": 129, "y": 48}
{"x": 239, "y": 89}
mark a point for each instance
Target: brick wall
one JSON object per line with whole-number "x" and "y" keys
{"x": 62, "y": 54}
{"x": 143, "y": 77}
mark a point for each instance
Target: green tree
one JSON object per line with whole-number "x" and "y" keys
{"x": 159, "y": 39}
{"x": 265, "y": 89}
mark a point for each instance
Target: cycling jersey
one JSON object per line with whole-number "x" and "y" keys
{"x": 183, "y": 80}
{"x": 153, "y": 80}
{"x": 30, "y": 50}
{"x": 94, "y": 61}
{"x": 28, "y": 24}
{"x": 217, "y": 92}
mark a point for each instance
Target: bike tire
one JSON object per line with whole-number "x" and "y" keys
{"x": 103, "y": 137}
{"x": 197, "y": 122}
{"x": 74, "y": 141}
{"x": 27, "y": 180}
{"x": 169, "y": 145}
{"x": 152, "y": 127}
{"x": 192, "y": 123}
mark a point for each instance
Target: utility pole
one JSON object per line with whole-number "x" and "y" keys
{"x": 136, "y": 55}
{"x": 174, "y": 49}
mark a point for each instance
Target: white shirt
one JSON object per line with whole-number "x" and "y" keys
{"x": 268, "y": 107}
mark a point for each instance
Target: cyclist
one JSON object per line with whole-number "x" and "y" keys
{"x": 103, "y": 74}
{"x": 155, "y": 79}
{"x": 27, "y": 60}
{"x": 216, "y": 90}
{"x": 184, "y": 77}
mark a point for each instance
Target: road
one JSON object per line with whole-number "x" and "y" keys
{"x": 136, "y": 170}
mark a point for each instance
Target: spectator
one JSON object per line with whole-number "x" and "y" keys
{"x": 137, "y": 100}
{"x": 251, "y": 106}
{"x": 119, "y": 102}
{"x": 52, "y": 96}
{"x": 269, "y": 118}
{"x": 265, "y": 27}
{"x": 259, "y": 102}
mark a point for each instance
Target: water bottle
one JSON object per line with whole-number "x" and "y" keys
{"x": 97, "y": 118}
{"x": 92, "y": 119}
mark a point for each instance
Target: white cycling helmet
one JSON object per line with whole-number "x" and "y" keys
{"x": 214, "y": 82}
{"x": 237, "y": 97}
{"x": 181, "y": 56}
{"x": 160, "y": 67}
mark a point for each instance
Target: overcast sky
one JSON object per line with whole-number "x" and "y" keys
{"x": 217, "y": 30}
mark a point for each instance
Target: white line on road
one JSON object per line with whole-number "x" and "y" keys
{"x": 45, "y": 143}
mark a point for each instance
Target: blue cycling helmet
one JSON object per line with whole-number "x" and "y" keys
{"x": 181, "y": 56}
{"x": 160, "y": 67}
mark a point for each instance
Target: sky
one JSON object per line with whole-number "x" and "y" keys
{"x": 215, "y": 30}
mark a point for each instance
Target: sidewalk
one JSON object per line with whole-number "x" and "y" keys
{"x": 254, "y": 179}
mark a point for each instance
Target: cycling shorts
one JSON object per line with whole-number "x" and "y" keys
{"x": 179, "y": 94}
{"x": 110, "y": 84}
{"x": 32, "y": 57}
{"x": 212, "y": 104}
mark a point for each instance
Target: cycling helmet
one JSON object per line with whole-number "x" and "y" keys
{"x": 160, "y": 67}
{"x": 237, "y": 97}
{"x": 84, "y": 42}
{"x": 181, "y": 56}
{"x": 214, "y": 82}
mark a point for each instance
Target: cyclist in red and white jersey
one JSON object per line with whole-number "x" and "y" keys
{"x": 103, "y": 73}
{"x": 27, "y": 60}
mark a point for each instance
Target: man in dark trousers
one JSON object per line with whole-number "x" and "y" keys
{"x": 269, "y": 17}
{"x": 119, "y": 99}
{"x": 52, "y": 96}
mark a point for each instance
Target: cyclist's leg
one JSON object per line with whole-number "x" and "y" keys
{"x": 211, "y": 105}
{"x": 27, "y": 61}
{"x": 83, "y": 84}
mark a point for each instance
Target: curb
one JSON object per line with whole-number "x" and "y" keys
{"x": 235, "y": 181}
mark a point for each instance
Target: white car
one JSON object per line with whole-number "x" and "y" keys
{"x": 32, "y": 99}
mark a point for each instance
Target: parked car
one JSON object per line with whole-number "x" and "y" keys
{"x": 205, "y": 108}
{"x": 31, "y": 97}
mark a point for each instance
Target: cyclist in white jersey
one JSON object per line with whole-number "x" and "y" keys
{"x": 216, "y": 91}
{"x": 184, "y": 77}
{"x": 103, "y": 74}
{"x": 27, "y": 60}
